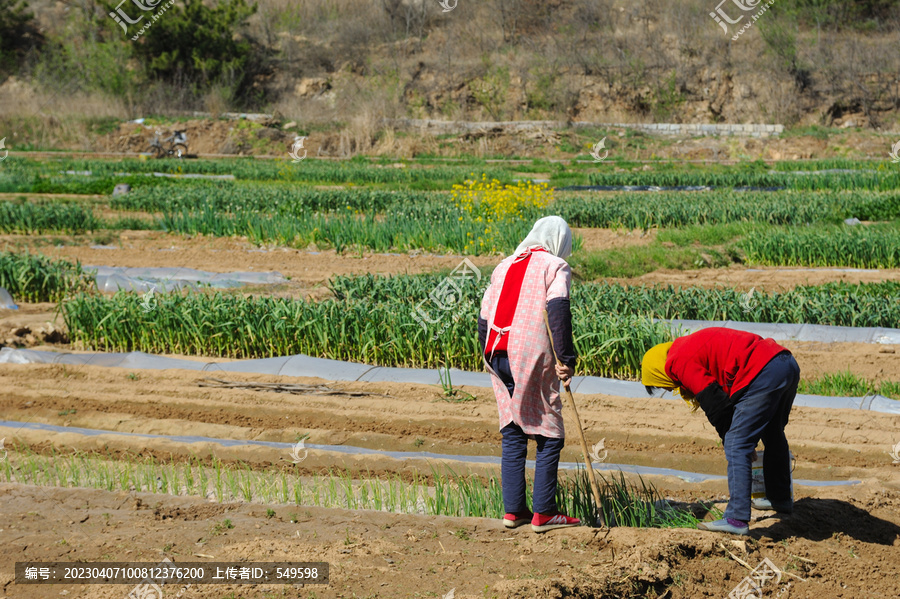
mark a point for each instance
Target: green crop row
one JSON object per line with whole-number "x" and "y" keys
{"x": 860, "y": 246}
{"x": 635, "y": 504}
{"x": 635, "y": 210}
{"x": 834, "y": 181}
{"x": 36, "y": 278}
{"x": 408, "y": 220}
{"x": 645, "y": 210}
{"x": 311, "y": 170}
{"x": 281, "y": 198}
{"x": 424, "y": 175}
{"x": 829, "y": 164}
{"x": 841, "y": 304}
{"x": 382, "y": 333}
{"x": 847, "y": 384}
{"x": 435, "y": 224}
{"x": 46, "y": 217}
{"x": 16, "y": 178}
{"x": 432, "y": 226}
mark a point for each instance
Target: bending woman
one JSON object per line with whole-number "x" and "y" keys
{"x": 746, "y": 386}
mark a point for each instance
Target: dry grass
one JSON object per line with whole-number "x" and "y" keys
{"x": 53, "y": 118}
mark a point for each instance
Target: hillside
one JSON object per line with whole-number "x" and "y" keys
{"x": 346, "y": 61}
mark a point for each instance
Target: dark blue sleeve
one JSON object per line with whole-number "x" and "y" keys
{"x": 559, "y": 313}
{"x": 482, "y": 333}
{"x": 718, "y": 407}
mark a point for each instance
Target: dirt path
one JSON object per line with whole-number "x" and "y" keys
{"x": 839, "y": 545}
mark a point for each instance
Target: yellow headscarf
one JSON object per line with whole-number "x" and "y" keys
{"x": 653, "y": 373}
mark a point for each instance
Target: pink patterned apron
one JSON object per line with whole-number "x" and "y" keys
{"x": 535, "y": 405}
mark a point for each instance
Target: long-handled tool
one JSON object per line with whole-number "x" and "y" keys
{"x": 595, "y": 489}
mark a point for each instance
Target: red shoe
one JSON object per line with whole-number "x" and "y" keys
{"x": 543, "y": 523}
{"x": 517, "y": 520}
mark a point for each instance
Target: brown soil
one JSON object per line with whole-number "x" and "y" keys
{"x": 205, "y": 136}
{"x": 836, "y": 545}
{"x": 836, "y": 540}
{"x": 769, "y": 279}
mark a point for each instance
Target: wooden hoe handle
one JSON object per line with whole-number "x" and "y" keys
{"x": 595, "y": 489}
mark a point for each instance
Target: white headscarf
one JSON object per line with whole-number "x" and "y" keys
{"x": 551, "y": 233}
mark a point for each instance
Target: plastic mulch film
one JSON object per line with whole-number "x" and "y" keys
{"x": 795, "y": 332}
{"x": 162, "y": 279}
{"x": 690, "y": 477}
{"x": 334, "y": 370}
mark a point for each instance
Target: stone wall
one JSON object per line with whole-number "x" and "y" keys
{"x": 749, "y": 130}
{"x": 737, "y": 130}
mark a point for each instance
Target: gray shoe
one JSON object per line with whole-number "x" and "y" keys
{"x": 724, "y": 525}
{"x": 763, "y": 504}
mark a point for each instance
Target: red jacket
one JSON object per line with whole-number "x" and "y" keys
{"x": 719, "y": 355}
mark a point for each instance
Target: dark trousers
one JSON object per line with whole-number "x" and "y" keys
{"x": 761, "y": 414}
{"x": 515, "y": 448}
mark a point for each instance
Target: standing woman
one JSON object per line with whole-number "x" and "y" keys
{"x": 524, "y": 372}
{"x": 746, "y": 386}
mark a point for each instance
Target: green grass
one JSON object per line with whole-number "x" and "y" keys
{"x": 684, "y": 248}
{"x": 816, "y": 131}
{"x": 709, "y": 235}
{"x": 638, "y": 260}
{"x": 847, "y": 384}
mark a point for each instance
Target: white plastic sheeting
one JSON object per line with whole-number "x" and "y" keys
{"x": 6, "y": 300}
{"x": 796, "y": 332}
{"x": 691, "y": 477}
{"x": 162, "y": 279}
{"x": 334, "y": 370}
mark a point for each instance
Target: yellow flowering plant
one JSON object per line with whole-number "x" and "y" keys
{"x": 495, "y": 204}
